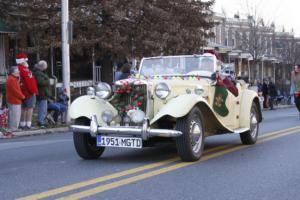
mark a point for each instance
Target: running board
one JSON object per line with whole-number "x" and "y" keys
{"x": 240, "y": 130}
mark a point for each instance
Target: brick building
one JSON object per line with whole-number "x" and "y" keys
{"x": 257, "y": 50}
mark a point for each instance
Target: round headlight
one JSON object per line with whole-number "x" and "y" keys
{"x": 103, "y": 90}
{"x": 162, "y": 90}
{"x": 107, "y": 116}
{"x": 199, "y": 90}
{"x": 137, "y": 116}
{"x": 90, "y": 91}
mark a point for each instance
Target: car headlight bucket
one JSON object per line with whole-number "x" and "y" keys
{"x": 103, "y": 90}
{"x": 162, "y": 90}
{"x": 199, "y": 90}
{"x": 90, "y": 91}
{"x": 107, "y": 116}
{"x": 136, "y": 116}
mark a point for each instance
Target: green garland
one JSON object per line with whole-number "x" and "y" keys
{"x": 138, "y": 95}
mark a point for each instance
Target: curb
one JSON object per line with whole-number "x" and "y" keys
{"x": 280, "y": 107}
{"x": 36, "y": 132}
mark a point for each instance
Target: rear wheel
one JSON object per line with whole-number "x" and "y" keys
{"x": 85, "y": 145}
{"x": 190, "y": 144}
{"x": 250, "y": 137}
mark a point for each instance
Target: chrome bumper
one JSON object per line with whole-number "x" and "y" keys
{"x": 144, "y": 132}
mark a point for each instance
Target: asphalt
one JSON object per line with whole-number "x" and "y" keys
{"x": 267, "y": 170}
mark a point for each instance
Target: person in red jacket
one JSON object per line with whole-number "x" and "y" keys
{"x": 227, "y": 82}
{"x": 29, "y": 89}
{"x": 14, "y": 97}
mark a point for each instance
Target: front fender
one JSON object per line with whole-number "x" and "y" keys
{"x": 181, "y": 106}
{"x": 178, "y": 107}
{"x": 87, "y": 106}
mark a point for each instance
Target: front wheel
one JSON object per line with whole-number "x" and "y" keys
{"x": 250, "y": 137}
{"x": 190, "y": 144}
{"x": 85, "y": 145}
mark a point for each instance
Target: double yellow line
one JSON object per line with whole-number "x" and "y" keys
{"x": 163, "y": 167}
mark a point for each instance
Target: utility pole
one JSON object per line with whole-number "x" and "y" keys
{"x": 249, "y": 71}
{"x": 262, "y": 69}
{"x": 65, "y": 47}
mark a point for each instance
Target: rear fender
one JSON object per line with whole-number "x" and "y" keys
{"x": 249, "y": 97}
{"x": 87, "y": 106}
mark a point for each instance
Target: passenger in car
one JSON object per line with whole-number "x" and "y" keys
{"x": 227, "y": 82}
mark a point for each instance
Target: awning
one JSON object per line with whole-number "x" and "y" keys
{"x": 218, "y": 47}
{"x": 5, "y": 28}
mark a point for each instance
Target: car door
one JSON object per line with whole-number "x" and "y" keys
{"x": 226, "y": 106}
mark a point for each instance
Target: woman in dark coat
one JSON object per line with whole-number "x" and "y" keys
{"x": 265, "y": 91}
{"x": 273, "y": 94}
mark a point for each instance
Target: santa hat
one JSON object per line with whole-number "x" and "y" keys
{"x": 21, "y": 58}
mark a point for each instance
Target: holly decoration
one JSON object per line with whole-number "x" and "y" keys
{"x": 129, "y": 90}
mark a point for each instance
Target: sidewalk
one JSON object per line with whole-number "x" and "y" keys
{"x": 36, "y": 132}
{"x": 280, "y": 107}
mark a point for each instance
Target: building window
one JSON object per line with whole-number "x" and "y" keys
{"x": 271, "y": 46}
{"x": 226, "y": 37}
{"x": 220, "y": 34}
{"x": 216, "y": 34}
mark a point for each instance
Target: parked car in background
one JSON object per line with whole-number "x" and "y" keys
{"x": 172, "y": 97}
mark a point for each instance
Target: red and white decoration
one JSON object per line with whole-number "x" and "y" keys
{"x": 21, "y": 58}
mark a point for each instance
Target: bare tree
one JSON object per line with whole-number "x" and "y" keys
{"x": 254, "y": 34}
{"x": 290, "y": 49}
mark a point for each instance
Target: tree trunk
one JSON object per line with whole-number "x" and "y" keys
{"x": 107, "y": 69}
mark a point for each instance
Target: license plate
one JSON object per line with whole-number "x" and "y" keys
{"x": 108, "y": 141}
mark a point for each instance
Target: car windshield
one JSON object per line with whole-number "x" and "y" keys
{"x": 181, "y": 65}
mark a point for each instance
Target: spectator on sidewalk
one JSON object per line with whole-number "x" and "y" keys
{"x": 14, "y": 97}
{"x": 126, "y": 71}
{"x": 292, "y": 91}
{"x": 296, "y": 84}
{"x": 292, "y": 88}
{"x": 259, "y": 87}
{"x": 272, "y": 93}
{"x": 58, "y": 108}
{"x": 29, "y": 89}
{"x": 118, "y": 73}
{"x": 64, "y": 100}
{"x": 265, "y": 92}
{"x": 43, "y": 83}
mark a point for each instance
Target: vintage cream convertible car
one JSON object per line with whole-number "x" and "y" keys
{"x": 172, "y": 97}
